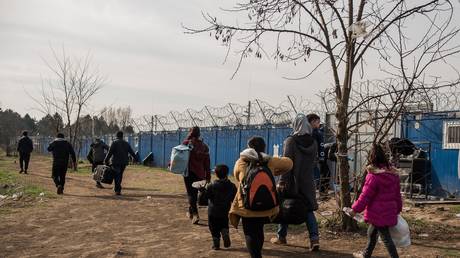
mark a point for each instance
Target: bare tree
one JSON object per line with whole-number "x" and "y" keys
{"x": 74, "y": 83}
{"x": 343, "y": 34}
{"x": 121, "y": 116}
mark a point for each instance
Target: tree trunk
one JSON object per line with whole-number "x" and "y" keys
{"x": 348, "y": 224}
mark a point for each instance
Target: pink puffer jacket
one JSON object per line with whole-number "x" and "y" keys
{"x": 381, "y": 198}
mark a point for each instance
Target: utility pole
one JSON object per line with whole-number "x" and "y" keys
{"x": 151, "y": 134}
{"x": 248, "y": 119}
{"x": 92, "y": 127}
{"x": 151, "y": 124}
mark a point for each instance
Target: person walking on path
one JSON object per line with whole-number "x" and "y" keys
{"x": 25, "y": 147}
{"x": 198, "y": 169}
{"x": 98, "y": 151}
{"x": 381, "y": 202}
{"x": 220, "y": 194}
{"x": 253, "y": 221}
{"x": 301, "y": 147}
{"x": 61, "y": 150}
{"x": 117, "y": 157}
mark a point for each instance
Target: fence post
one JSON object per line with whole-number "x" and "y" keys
{"x": 268, "y": 139}
{"x": 215, "y": 148}
{"x": 164, "y": 150}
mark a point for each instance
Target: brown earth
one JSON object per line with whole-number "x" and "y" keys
{"x": 148, "y": 220}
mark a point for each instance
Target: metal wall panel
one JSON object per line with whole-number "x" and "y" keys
{"x": 426, "y": 131}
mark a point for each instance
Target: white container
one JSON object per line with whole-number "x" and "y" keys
{"x": 276, "y": 149}
{"x": 358, "y": 217}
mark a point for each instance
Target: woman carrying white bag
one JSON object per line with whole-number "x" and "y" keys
{"x": 381, "y": 202}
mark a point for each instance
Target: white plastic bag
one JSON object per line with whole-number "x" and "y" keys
{"x": 400, "y": 233}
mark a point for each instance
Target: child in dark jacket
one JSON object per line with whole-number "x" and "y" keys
{"x": 380, "y": 200}
{"x": 220, "y": 193}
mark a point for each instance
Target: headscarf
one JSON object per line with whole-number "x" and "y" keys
{"x": 301, "y": 126}
{"x": 194, "y": 132}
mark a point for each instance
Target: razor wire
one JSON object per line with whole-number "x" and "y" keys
{"x": 256, "y": 112}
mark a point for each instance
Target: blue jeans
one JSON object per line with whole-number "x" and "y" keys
{"x": 311, "y": 223}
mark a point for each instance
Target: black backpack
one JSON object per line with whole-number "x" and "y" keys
{"x": 258, "y": 188}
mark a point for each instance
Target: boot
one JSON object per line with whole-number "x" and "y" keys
{"x": 226, "y": 237}
{"x": 314, "y": 245}
{"x": 215, "y": 243}
{"x": 60, "y": 189}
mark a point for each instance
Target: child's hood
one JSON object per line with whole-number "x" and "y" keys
{"x": 375, "y": 170}
{"x": 386, "y": 177}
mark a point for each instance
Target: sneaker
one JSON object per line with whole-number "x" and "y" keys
{"x": 314, "y": 245}
{"x": 20, "y": 171}
{"x": 98, "y": 185}
{"x": 25, "y": 171}
{"x": 358, "y": 254}
{"x": 195, "y": 219}
{"x": 278, "y": 241}
{"x": 117, "y": 193}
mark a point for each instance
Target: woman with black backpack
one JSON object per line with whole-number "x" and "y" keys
{"x": 299, "y": 184}
{"x": 256, "y": 200}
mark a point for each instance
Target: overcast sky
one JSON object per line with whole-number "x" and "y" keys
{"x": 141, "y": 48}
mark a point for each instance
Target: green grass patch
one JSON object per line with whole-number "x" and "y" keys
{"x": 84, "y": 169}
{"x": 451, "y": 253}
{"x": 11, "y": 183}
{"x": 455, "y": 208}
{"x": 35, "y": 191}
{"x": 7, "y": 182}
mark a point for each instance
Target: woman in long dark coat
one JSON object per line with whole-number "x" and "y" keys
{"x": 301, "y": 147}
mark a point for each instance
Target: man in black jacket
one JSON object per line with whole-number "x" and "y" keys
{"x": 61, "y": 150}
{"x": 25, "y": 147}
{"x": 220, "y": 194}
{"x": 97, "y": 154}
{"x": 118, "y": 155}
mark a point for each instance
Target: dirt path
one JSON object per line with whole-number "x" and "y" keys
{"x": 148, "y": 220}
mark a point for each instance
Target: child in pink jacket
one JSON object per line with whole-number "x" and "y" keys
{"x": 380, "y": 200}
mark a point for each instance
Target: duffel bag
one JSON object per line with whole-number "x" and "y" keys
{"x": 103, "y": 174}
{"x": 202, "y": 197}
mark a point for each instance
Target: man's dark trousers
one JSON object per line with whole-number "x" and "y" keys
{"x": 118, "y": 176}
{"x": 59, "y": 172}
{"x": 24, "y": 158}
